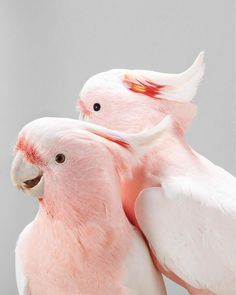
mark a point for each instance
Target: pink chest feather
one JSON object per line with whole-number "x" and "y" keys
{"x": 83, "y": 260}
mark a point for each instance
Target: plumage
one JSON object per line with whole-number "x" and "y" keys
{"x": 190, "y": 222}
{"x": 175, "y": 87}
{"x": 80, "y": 242}
{"x": 183, "y": 203}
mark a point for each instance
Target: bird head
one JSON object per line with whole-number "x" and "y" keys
{"x": 59, "y": 156}
{"x": 131, "y": 100}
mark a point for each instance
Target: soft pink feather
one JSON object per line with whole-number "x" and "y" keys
{"x": 133, "y": 107}
{"x": 80, "y": 236}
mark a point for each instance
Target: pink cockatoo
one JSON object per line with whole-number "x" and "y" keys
{"x": 81, "y": 241}
{"x": 184, "y": 204}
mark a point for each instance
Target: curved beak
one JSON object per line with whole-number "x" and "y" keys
{"x": 82, "y": 116}
{"x": 83, "y": 111}
{"x": 26, "y": 176}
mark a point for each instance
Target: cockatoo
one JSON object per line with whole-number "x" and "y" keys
{"x": 81, "y": 241}
{"x": 184, "y": 204}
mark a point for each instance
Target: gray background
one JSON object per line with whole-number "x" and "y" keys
{"x": 49, "y": 48}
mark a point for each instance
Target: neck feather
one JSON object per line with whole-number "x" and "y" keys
{"x": 93, "y": 199}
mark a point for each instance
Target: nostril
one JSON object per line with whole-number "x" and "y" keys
{"x": 32, "y": 182}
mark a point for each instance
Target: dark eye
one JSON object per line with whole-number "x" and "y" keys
{"x": 96, "y": 107}
{"x": 60, "y": 158}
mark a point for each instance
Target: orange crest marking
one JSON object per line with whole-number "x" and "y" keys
{"x": 148, "y": 88}
{"x": 138, "y": 88}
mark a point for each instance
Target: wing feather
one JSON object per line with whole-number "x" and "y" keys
{"x": 191, "y": 225}
{"x": 21, "y": 280}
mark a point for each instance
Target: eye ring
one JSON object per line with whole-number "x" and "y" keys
{"x": 97, "y": 107}
{"x": 60, "y": 158}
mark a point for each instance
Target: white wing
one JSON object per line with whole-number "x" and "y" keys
{"x": 22, "y": 282}
{"x": 21, "y": 279}
{"x": 141, "y": 277}
{"x": 189, "y": 233}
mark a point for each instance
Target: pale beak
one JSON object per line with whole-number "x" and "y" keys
{"x": 83, "y": 111}
{"x": 27, "y": 176}
{"x": 81, "y": 116}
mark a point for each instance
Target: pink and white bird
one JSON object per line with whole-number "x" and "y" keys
{"x": 81, "y": 241}
{"x": 184, "y": 204}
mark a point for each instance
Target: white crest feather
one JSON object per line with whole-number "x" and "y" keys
{"x": 141, "y": 142}
{"x": 145, "y": 140}
{"x": 180, "y": 87}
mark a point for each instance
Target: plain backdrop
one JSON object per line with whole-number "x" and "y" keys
{"x": 49, "y": 48}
